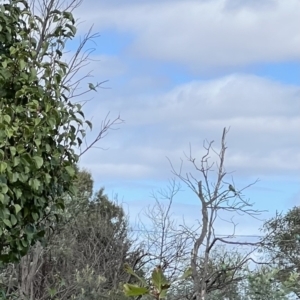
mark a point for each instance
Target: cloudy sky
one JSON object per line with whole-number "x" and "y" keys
{"x": 179, "y": 72}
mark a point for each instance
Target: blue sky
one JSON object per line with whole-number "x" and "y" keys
{"x": 114, "y": 43}
{"x": 180, "y": 71}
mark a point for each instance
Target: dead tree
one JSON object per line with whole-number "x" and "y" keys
{"x": 163, "y": 243}
{"x": 214, "y": 196}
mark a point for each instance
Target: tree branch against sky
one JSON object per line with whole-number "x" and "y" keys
{"x": 216, "y": 195}
{"x": 177, "y": 83}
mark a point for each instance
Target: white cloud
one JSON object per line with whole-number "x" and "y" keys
{"x": 263, "y": 115}
{"x": 120, "y": 170}
{"x": 107, "y": 66}
{"x": 204, "y": 35}
{"x": 100, "y": 67}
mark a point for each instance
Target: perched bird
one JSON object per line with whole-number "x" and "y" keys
{"x": 232, "y": 189}
{"x": 92, "y": 87}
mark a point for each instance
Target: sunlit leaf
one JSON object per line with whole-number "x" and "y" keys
{"x": 134, "y": 290}
{"x": 38, "y": 161}
{"x": 7, "y": 223}
{"x": 17, "y": 208}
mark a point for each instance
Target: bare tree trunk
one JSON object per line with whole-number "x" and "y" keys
{"x": 214, "y": 197}
{"x": 29, "y": 266}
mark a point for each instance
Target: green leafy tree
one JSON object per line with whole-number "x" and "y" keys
{"x": 261, "y": 285}
{"x": 282, "y": 244}
{"x": 85, "y": 253}
{"x": 96, "y": 241}
{"x": 40, "y": 125}
{"x": 156, "y": 288}
{"x": 224, "y": 272}
{"x": 37, "y": 127}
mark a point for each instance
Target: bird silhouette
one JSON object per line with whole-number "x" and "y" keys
{"x": 232, "y": 189}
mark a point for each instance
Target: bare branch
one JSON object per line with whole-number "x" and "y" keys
{"x": 106, "y": 125}
{"x": 214, "y": 198}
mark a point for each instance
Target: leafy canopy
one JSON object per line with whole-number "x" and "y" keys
{"x": 39, "y": 125}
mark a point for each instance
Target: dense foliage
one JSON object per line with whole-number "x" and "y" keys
{"x": 282, "y": 247}
{"x": 39, "y": 125}
{"x": 84, "y": 255}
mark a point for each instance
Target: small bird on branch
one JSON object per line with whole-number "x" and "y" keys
{"x": 232, "y": 189}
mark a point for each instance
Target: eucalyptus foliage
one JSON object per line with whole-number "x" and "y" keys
{"x": 282, "y": 247}
{"x": 39, "y": 125}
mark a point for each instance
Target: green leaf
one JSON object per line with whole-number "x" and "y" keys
{"x": 26, "y": 212}
{"x": 52, "y": 122}
{"x": 70, "y": 170}
{"x": 79, "y": 140}
{"x": 17, "y": 208}
{"x": 4, "y": 188}
{"x": 13, "y": 151}
{"x": 3, "y": 166}
{"x": 163, "y": 294}
{"x": 134, "y": 290}
{"x": 29, "y": 229}
{"x": 159, "y": 280}
{"x": 37, "y": 121}
{"x": 19, "y": 245}
{"x": 69, "y": 16}
{"x": 13, "y": 177}
{"x": 23, "y": 177}
{"x": 37, "y": 142}
{"x": 2, "y": 197}
{"x": 22, "y": 64}
{"x": 16, "y": 161}
{"x": 34, "y": 183}
{"x": 9, "y": 132}
{"x": 52, "y": 292}
{"x": 54, "y": 12}
{"x": 7, "y": 223}
{"x": 7, "y": 118}
{"x": 5, "y": 212}
{"x": 89, "y": 124}
{"x": 48, "y": 178}
{"x": 35, "y": 216}
{"x": 13, "y": 220}
{"x": 38, "y": 161}
{"x": 72, "y": 28}
{"x": 3, "y": 179}
{"x": 130, "y": 271}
